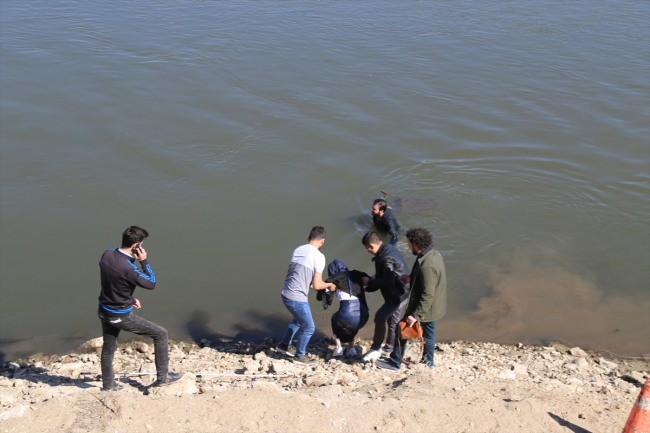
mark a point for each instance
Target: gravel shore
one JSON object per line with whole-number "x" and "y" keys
{"x": 476, "y": 387}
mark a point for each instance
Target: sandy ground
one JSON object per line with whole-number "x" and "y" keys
{"x": 475, "y": 388}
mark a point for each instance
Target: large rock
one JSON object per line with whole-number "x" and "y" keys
{"x": 581, "y": 363}
{"x": 186, "y": 385}
{"x": 576, "y": 351}
{"x": 142, "y": 347}
{"x": 607, "y": 364}
{"x": 95, "y": 343}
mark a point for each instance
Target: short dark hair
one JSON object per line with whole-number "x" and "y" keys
{"x": 317, "y": 233}
{"x": 370, "y": 238}
{"x": 419, "y": 237}
{"x": 133, "y": 235}
{"x": 382, "y": 204}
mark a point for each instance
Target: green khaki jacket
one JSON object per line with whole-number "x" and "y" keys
{"x": 428, "y": 296}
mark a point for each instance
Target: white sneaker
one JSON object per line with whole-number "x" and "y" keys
{"x": 372, "y": 355}
{"x": 351, "y": 353}
{"x": 338, "y": 352}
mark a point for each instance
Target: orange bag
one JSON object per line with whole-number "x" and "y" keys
{"x": 408, "y": 333}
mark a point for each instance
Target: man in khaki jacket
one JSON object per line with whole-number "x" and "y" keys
{"x": 428, "y": 298}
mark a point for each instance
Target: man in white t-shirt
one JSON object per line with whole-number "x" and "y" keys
{"x": 305, "y": 272}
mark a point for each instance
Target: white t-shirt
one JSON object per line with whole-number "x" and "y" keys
{"x": 305, "y": 261}
{"x": 344, "y": 296}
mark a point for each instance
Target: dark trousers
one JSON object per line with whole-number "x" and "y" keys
{"x": 429, "y": 335}
{"x": 388, "y": 314}
{"x": 111, "y": 327}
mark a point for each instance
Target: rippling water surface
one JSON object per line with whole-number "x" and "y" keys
{"x": 517, "y": 132}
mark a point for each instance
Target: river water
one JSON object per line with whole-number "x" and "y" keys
{"x": 518, "y": 132}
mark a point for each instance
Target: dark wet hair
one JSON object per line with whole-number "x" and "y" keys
{"x": 370, "y": 238}
{"x": 382, "y": 204}
{"x": 317, "y": 233}
{"x": 133, "y": 235}
{"x": 419, "y": 237}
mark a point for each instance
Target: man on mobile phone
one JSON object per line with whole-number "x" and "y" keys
{"x": 119, "y": 276}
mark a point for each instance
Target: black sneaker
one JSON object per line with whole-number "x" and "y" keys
{"x": 287, "y": 349}
{"x": 386, "y": 364}
{"x": 304, "y": 359}
{"x": 115, "y": 388}
{"x": 171, "y": 378}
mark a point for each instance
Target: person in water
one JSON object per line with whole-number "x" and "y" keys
{"x": 353, "y": 309}
{"x": 384, "y": 219}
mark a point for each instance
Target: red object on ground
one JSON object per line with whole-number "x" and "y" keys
{"x": 639, "y": 420}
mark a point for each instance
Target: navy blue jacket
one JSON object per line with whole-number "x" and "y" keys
{"x": 120, "y": 276}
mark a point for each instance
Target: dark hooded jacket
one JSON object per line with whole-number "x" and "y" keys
{"x": 389, "y": 266}
{"x": 346, "y": 280}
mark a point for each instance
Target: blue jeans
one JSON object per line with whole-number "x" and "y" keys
{"x": 429, "y": 334}
{"x": 351, "y": 317}
{"x": 301, "y": 327}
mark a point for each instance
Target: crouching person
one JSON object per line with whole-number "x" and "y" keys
{"x": 120, "y": 275}
{"x": 427, "y": 301}
{"x": 353, "y": 309}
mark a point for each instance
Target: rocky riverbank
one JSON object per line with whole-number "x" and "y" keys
{"x": 239, "y": 386}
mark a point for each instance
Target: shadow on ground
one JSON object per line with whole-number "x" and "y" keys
{"x": 574, "y": 428}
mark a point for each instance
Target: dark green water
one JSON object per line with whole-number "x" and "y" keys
{"x": 517, "y": 132}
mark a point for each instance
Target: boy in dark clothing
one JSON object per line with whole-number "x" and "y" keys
{"x": 120, "y": 276}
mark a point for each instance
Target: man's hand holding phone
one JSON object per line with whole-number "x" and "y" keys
{"x": 138, "y": 252}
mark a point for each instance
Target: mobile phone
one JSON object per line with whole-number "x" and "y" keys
{"x": 136, "y": 249}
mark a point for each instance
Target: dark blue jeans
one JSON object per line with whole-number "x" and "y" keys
{"x": 111, "y": 327}
{"x": 351, "y": 317}
{"x": 301, "y": 327}
{"x": 429, "y": 334}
